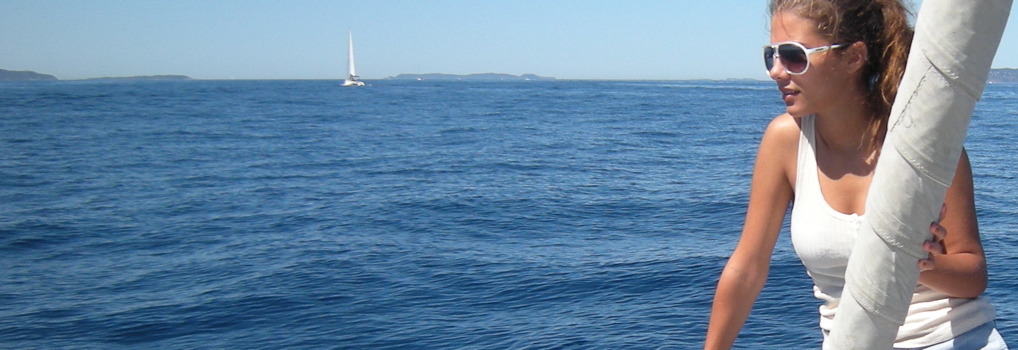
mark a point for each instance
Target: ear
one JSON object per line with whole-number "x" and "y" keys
{"x": 856, "y": 56}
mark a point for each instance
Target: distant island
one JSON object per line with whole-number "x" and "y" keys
{"x": 9, "y": 75}
{"x": 470, "y": 77}
{"x": 143, "y": 78}
{"x": 997, "y": 75}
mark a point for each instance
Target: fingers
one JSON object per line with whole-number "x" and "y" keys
{"x": 939, "y": 232}
{"x": 934, "y": 247}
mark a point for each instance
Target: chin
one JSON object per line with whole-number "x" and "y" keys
{"x": 796, "y": 112}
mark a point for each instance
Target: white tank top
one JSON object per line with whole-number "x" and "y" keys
{"x": 823, "y": 239}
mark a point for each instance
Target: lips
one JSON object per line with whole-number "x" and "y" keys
{"x": 788, "y": 94}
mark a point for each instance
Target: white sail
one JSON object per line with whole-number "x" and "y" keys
{"x": 954, "y": 45}
{"x": 351, "y": 68}
{"x": 351, "y": 79}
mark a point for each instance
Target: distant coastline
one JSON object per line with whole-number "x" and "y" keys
{"x": 8, "y": 75}
{"x": 997, "y": 75}
{"x": 143, "y": 78}
{"x": 470, "y": 77}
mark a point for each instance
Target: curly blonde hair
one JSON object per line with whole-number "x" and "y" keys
{"x": 883, "y": 25}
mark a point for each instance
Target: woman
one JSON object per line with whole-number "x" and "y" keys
{"x": 837, "y": 64}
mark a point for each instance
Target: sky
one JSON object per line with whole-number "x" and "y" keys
{"x": 306, "y": 39}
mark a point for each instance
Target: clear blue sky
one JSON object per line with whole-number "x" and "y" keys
{"x": 306, "y": 39}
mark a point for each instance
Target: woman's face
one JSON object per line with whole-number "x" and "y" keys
{"x": 824, "y": 81}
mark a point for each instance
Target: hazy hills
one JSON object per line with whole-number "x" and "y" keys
{"x": 8, "y": 75}
{"x": 470, "y": 77}
{"x": 999, "y": 75}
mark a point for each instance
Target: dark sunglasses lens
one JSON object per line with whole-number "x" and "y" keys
{"x": 793, "y": 58}
{"x": 769, "y": 57}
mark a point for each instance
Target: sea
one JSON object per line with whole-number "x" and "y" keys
{"x": 298, "y": 214}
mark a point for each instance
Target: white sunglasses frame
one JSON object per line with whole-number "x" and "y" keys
{"x": 777, "y": 58}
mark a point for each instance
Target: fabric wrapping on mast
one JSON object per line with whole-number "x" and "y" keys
{"x": 950, "y": 59}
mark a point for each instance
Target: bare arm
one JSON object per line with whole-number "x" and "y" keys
{"x": 746, "y": 271}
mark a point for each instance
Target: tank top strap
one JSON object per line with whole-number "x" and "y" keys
{"x": 806, "y": 160}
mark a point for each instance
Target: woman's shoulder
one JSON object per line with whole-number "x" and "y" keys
{"x": 783, "y": 131}
{"x": 779, "y": 147}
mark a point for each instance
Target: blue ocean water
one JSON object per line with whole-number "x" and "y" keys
{"x": 509, "y": 215}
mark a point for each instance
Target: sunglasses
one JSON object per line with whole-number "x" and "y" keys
{"x": 793, "y": 56}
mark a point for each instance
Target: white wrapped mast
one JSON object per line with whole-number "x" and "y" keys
{"x": 954, "y": 45}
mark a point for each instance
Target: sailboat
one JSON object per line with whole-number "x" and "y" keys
{"x": 351, "y": 79}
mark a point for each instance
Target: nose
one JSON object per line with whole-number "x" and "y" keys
{"x": 777, "y": 71}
